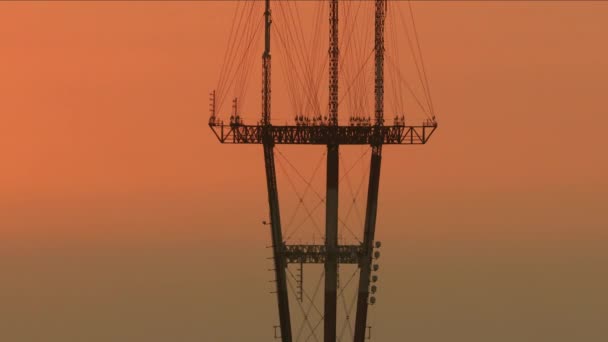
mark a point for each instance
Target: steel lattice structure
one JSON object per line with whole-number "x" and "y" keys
{"x": 331, "y": 134}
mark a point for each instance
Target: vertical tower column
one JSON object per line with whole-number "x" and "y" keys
{"x": 331, "y": 244}
{"x": 368, "y": 240}
{"x": 331, "y": 204}
{"x": 277, "y": 244}
{"x": 273, "y": 195}
{"x": 374, "y": 177}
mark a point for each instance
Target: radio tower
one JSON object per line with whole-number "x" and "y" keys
{"x": 331, "y": 134}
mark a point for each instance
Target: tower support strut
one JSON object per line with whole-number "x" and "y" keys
{"x": 331, "y": 204}
{"x": 374, "y": 179}
{"x": 331, "y": 245}
{"x": 280, "y": 263}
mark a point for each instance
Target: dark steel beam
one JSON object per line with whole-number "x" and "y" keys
{"x": 277, "y": 244}
{"x": 374, "y": 179}
{"x": 323, "y": 135}
{"x": 367, "y": 246}
{"x": 331, "y": 244}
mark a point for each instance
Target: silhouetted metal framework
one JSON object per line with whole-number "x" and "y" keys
{"x": 323, "y": 135}
{"x": 332, "y": 135}
{"x": 316, "y": 254}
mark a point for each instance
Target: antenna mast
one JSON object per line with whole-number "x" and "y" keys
{"x": 266, "y": 62}
{"x": 334, "y": 56}
{"x": 379, "y": 59}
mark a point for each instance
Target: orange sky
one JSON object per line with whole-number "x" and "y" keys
{"x": 117, "y": 204}
{"x": 109, "y": 100}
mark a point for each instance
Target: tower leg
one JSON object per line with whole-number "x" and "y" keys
{"x": 368, "y": 240}
{"x": 277, "y": 244}
{"x": 374, "y": 177}
{"x": 331, "y": 244}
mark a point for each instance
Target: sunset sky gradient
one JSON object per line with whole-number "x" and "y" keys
{"x": 123, "y": 219}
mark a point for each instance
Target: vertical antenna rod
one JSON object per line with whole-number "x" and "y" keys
{"x": 280, "y": 263}
{"x": 374, "y": 178}
{"x": 379, "y": 60}
{"x": 331, "y": 209}
{"x": 334, "y": 56}
{"x": 266, "y": 59}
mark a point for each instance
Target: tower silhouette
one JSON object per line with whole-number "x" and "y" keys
{"x": 325, "y": 131}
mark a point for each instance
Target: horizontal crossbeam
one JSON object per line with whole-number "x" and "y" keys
{"x": 238, "y": 133}
{"x": 315, "y": 254}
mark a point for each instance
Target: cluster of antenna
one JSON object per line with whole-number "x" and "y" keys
{"x": 318, "y": 120}
{"x": 399, "y": 120}
{"x": 359, "y": 121}
{"x": 235, "y": 118}
{"x": 213, "y": 120}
